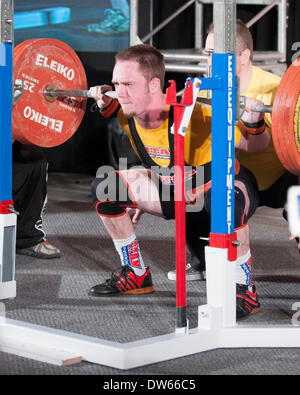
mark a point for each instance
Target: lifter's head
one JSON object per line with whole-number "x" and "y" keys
{"x": 138, "y": 77}
{"x": 150, "y": 60}
{"x": 244, "y": 45}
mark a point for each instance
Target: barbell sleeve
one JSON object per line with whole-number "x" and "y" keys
{"x": 260, "y": 107}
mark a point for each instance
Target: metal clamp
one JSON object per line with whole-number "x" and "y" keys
{"x": 18, "y": 90}
{"x": 189, "y": 109}
{"x": 12, "y": 210}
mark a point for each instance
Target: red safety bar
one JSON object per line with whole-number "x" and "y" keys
{"x": 179, "y": 161}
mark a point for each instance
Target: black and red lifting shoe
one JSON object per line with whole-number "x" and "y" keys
{"x": 246, "y": 301}
{"x": 124, "y": 282}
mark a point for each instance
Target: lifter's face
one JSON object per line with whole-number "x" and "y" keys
{"x": 209, "y": 49}
{"x": 132, "y": 88}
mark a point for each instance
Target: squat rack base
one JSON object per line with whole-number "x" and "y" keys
{"x": 59, "y": 347}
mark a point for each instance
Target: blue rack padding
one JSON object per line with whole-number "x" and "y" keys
{"x": 6, "y": 122}
{"x": 2, "y": 55}
{"x": 223, "y": 145}
{"x": 43, "y": 17}
{"x": 222, "y": 84}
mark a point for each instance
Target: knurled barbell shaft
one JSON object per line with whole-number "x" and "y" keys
{"x": 74, "y": 93}
{"x": 66, "y": 93}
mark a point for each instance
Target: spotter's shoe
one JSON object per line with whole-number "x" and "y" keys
{"x": 42, "y": 250}
{"x": 194, "y": 270}
{"x": 124, "y": 282}
{"x": 191, "y": 273}
{"x": 246, "y": 302}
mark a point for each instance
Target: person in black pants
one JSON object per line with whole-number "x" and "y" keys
{"x": 29, "y": 184}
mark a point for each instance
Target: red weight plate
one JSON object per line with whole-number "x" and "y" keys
{"x": 285, "y": 119}
{"x": 22, "y": 44}
{"x": 36, "y": 120}
{"x": 19, "y": 46}
{"x": 18, "y": 50}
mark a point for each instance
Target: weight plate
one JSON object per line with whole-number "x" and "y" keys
{"x": 285, "y": 119}
{"x": 41, "y": 63}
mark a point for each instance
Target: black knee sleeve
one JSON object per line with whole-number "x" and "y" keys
{"x": 111, "y": 195}
{"x": 109, "y": 209}
{"x": 239, "y": 206}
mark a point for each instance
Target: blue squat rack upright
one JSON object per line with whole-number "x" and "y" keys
{"x": 7, "y": 216}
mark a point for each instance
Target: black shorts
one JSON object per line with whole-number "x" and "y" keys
{"x": 194, "y": 177}
{"x": 246, "y": 195}
{"x": 275, "y": 196}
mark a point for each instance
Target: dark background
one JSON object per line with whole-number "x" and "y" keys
{"x": 90, "y": 148}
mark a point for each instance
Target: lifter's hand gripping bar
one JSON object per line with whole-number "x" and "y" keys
{"x": 260, "y": 107}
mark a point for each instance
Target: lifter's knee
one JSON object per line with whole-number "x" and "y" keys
{"x": 240, "y": 206}
{"x": 110, "y": 195}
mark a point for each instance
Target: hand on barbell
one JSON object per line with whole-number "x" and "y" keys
{"x": 97, "y": 93}
{"x": 249, "y": 115}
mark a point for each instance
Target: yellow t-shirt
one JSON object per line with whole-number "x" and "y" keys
{"x": 264, "y": 164}
{"x": 197, "y": 139}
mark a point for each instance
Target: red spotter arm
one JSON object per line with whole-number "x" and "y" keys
{"x": 179, "y": 161}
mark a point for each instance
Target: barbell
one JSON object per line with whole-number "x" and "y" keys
{"x": 55, "y": 93}
{"x": 53, "y": 102}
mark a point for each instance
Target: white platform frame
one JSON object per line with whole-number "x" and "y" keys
{"x": 7, "y": 288}
{"x": 216, "y": 328}
{"x": 62, "y": 348}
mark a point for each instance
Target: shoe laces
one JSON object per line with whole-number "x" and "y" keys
{"x": 118, "y": 275}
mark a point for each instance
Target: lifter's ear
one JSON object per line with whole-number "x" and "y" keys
{"x": 154, "y": 85}
{"x": 245, "y": 56}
